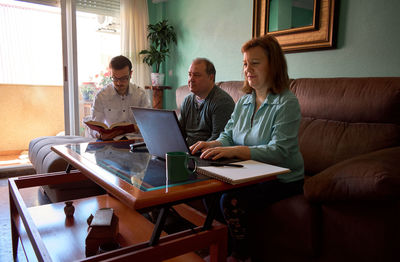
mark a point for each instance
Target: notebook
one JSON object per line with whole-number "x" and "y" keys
{"x": 235, "y": 175}
{"x": 162, "y": 133}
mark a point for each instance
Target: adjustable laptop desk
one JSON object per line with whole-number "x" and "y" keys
{"x": 138, "y": 181}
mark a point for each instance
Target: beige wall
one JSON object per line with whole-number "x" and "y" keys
{"x": 27, "y": 112}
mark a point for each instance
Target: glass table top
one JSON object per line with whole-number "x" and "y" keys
{"x": 138, "y": 168}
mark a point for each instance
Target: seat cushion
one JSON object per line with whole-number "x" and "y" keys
{"x": 373, "y": 176}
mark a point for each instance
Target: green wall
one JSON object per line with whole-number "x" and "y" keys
{"x": 367, "y": 40}
{"x": 207, "y": 28}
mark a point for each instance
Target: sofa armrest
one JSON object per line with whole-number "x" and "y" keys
{"x": 372, "y": 176}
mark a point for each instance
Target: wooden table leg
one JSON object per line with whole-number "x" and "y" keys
{"x": 157, "y": 95}
{"x": 14, "y": 231}
{"x": 157, "y": 98}
{"x": 68, "y": 169}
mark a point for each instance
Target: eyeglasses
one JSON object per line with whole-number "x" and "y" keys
{"x": 121, "y": 79}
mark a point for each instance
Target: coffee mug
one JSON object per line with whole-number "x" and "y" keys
{"x": 177, "y": 166}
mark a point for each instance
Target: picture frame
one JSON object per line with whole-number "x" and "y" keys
{"x": 319, "y": 35}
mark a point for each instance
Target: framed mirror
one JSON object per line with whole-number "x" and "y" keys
{"x": 288, "y": 16}
{"x": 299, "y": 25}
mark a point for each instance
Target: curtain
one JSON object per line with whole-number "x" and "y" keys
{"x": 134, "y": 21}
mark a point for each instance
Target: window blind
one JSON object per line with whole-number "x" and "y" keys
{"x": 54, "y": 3}
{"x": 99, "y": 7}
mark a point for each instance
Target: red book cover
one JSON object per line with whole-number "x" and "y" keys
{"x": 125, "y": 127}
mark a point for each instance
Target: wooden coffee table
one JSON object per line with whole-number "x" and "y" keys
{"x": 135, "y": 181}
{"x": 48, "y": 235}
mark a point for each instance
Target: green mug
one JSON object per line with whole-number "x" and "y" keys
{"x": 177, "y": 166}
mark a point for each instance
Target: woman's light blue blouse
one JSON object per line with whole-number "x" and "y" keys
{"x": 271, "y": 134}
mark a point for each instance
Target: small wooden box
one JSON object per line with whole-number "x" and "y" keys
{"x": 98, "y": 235}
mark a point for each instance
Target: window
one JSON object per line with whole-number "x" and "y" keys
{"x": 30, "y": 51}
{"x": 98, "y": 40}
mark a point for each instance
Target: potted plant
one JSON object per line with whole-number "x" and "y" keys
{"x": 161, "y": 35}
{"x": 88, "y": 90}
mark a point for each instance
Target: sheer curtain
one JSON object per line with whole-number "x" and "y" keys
{"x": 134, "y": 21}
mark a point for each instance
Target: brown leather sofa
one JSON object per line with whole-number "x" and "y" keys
{"x": 350, "y": 140}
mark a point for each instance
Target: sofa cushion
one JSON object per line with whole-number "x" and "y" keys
{"x": 43, "y": 159}
{"x": 325, "y": 142}
{"x": 373, "y": 176}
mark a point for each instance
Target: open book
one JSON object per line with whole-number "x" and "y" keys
{"x": 125, "y": 127}
{"x": 235, "y": 175}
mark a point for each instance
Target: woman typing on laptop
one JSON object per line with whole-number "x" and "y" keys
{"x": 263, "y": 127}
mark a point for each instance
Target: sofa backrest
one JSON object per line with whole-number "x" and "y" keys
{"x": 346, "y": 117}
{"x": 234, "y": 88}
{"x": 341, "y": 117}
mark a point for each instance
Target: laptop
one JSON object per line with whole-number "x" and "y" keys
{"x": 162, "y": 133}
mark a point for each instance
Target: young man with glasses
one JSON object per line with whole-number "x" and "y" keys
{"x": 112, "y": 104}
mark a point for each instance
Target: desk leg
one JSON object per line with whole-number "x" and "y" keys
{"x": 68, "y": 170}
{"x": 212, "y": 211}
{"x": 158, "y": 227}
{"x": 14, "y": 231}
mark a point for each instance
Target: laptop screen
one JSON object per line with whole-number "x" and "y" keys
{"x": 160, "y": 130}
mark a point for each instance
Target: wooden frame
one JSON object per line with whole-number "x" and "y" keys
{"x": 36, "y": 231}
{"x": 319, "y": 35}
